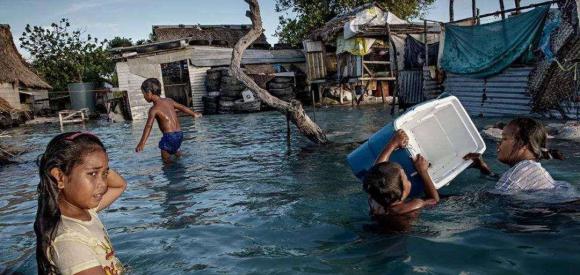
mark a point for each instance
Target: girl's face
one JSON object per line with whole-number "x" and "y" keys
{"x": 87, "y": 182}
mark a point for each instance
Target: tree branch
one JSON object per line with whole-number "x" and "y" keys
{"x": 294, "y": 108}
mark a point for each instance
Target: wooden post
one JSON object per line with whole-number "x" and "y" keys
{"x": 313, "y": 104}
{"x": 288, "y": 129}
{"x": 395, "y": 97}
{"x": 501, "y": 8}
{"x": 450, "y": 10}
{"x": 517, "y": 3}
{"x": 320, "y": 93}
{"x": 381, "y": 90}
{"x": 426, "y": 45}
{"x": 473, "y": 8}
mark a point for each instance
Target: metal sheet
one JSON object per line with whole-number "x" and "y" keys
{"x": 410, "y": 87}
{"x": 506, "y": 94}
{"x": 197, "y": 78}
{"x": 212, "y": 57}
{"x": 431, "y": 89}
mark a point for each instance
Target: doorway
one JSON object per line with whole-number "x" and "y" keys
{"x": 176, "y": 82}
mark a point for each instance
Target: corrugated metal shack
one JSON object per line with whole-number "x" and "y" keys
{"x": 503, "y": 94}
{"x": 363, "y": 52}
{"x": 544, "y": 87}
{"x": 182, "y": 61}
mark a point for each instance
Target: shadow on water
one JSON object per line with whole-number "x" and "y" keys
{"x": 527, "y": 216}
{"x": 179, "y": 194}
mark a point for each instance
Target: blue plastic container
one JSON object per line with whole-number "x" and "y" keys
{"x": 362, "y": 159}
{"x": 439, "y": 129}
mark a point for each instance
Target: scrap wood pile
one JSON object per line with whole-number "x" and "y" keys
{"x": 9, "y": 115}
{"x": 8, "y": 154}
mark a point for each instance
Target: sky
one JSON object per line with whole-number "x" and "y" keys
{"x": 106, "y": 19}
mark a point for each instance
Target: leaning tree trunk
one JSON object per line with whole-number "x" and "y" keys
{"x": 292, "y": 109}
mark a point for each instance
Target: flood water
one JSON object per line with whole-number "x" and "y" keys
{"x": 240, "y": 202}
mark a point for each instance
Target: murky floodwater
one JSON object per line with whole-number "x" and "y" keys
{"x": 240, "y": 202}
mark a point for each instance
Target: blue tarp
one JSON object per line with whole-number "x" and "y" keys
{"x": 415, "y": 53}
{"x": 484, "y": 50}
{"x": 552, "y": 23}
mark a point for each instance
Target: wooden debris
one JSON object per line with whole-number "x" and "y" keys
{"x": 73, "y": 116}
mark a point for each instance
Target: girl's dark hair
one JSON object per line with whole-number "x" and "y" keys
{"x": 531, "y": 133}
{"x": 384, "y": 184}
{"x": 64, "y": 151}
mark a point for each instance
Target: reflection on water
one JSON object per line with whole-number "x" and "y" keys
{"x": 239, "y": 201}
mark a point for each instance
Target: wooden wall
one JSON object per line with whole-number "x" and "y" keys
{"x": 131, "y": 83}
{"x": 10, "y": 94}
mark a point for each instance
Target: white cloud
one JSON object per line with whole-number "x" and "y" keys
{"x": 78, "y": 6}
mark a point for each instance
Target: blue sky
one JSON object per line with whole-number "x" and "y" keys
{"x": 106, "y": 19}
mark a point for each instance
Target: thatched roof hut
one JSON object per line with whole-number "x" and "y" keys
{"x": 369, "y": 20}
{"x": 13, "y": 68}
{"x": 215, "y": 35}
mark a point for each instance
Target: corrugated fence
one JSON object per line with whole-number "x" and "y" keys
{"x": 431, "y": 89}
{"x": 505, "y": 94}
{"x": 410, "y": 87}
{"x": 197, "y": 77}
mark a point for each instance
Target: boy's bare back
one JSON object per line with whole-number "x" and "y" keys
{"x": 164, "y": 112}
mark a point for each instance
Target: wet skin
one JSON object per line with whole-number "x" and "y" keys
{"x": 163, "y": 111}
{"x": 508, "y": 152}
{"x": 90, "y": 184}
{"x": 406, "y": 210}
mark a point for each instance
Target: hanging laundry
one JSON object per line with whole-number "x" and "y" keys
{"x": 484, "y": 50}
{"x": 415, "y": 53}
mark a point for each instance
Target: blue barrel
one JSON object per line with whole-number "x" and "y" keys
{"x": 362, "y": 159}
{"x": 82, "y": 95}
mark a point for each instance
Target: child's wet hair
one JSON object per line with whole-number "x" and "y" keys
{"x": 384, "y": 184}
{"x": 151, "y": 85}
{"x": 531, "y": 133}
{"x": 64, "y": 151}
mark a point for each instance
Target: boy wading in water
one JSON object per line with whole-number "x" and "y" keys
{"x": 163, "y": 111}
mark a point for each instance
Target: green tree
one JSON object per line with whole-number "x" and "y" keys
{"x": 120, "y": 42}
{"x": 312, "y": 14}
{"x": 151, "y": 38}
{"x": 64, "y": 56}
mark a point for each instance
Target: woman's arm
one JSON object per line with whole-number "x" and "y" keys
{"x": 478, "y": 163}
{"x": 399, "y": 140}
{"x": 116, "y": 186}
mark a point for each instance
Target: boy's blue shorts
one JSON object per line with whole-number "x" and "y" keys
{"x": 170, "y": 142}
